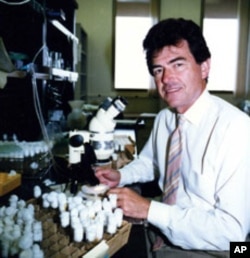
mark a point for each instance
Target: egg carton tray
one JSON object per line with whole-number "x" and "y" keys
{"x": 58, "y": 241}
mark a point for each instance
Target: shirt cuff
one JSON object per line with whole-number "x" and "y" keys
{"x": 159, "y": 214}
{"x": 124, "y": 180}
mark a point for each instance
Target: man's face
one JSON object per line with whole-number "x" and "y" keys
{"x": 179, "y": 79}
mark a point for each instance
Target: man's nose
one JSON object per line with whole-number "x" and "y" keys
{"x": 166, "y": 75}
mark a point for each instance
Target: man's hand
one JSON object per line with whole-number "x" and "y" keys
{"x": 108, "y": 176}
{"x": 132, "y": 204}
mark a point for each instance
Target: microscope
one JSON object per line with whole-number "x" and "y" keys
{"x": 95, "y": 146}
{"x": 102, "y": 127}
{"x": 81, "y": 159}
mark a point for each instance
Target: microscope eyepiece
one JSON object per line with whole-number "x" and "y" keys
{"x": 76, "y": 140}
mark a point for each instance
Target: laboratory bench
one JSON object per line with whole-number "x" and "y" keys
{"x": 136, "y": 243}
{"x": 134, "y": 246}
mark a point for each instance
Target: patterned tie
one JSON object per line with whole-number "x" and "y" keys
{"x": 172, "y": 172}
{"x": 173, "y": 165}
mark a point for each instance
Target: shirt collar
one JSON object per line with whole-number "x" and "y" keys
{"x": 195, "y": 113}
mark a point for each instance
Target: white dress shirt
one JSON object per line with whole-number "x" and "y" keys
{"x": 213, "y": 200}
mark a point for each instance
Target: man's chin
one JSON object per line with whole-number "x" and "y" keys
{"x": 171, "y": 100}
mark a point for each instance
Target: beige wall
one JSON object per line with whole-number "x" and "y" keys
{"x": 96, "y": 17}
{"x": 182, "y": 8}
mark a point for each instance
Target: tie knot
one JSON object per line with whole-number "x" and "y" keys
{"x": 180, "y": 120}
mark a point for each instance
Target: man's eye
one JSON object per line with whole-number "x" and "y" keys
{"x": 157, "y": 71}
{"x": 179, "y": 64}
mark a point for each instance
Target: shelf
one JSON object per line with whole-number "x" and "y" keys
{"x": 47, "y": 73}
{"x": 64, "y": 30}
{"x": 39, "y": 7}
{"x": 71, "y": 76}
{"x": 40, "y": 41}
{"x": 17, "y": 74}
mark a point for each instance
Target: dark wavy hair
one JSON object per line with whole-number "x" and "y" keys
{"x": 170, "y": 32}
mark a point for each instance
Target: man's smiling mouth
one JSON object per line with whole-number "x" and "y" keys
{"x": 171, "y": 89}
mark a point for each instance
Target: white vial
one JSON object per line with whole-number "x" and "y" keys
{"x": 99, "y": 230}
{"x": 37, "y": 252}
{"x": 111, "y": 228}
{"x": 91, "y": 232}
{"x": 37, "y": 191}
{"x": 106, "y": 205}
{"x": 65, "y": 219}
{"x": 78, "y": 232}
{"x": 37, "y": 231}
{"x": 118, "y": 216}
{"x": 26, "y": 241}
{"x": 112, "y": 225}
{"x": 113, "y": 200}
{"x": 45, "y": 203}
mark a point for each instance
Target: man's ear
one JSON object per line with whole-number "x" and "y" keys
{"x": 205, "y": 68}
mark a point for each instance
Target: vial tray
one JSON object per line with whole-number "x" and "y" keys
{"x": 8, "y": 182}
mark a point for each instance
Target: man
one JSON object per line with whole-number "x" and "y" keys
{"x": 212, "y": 203}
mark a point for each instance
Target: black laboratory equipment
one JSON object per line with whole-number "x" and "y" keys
{"x": 81, "y": 161}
